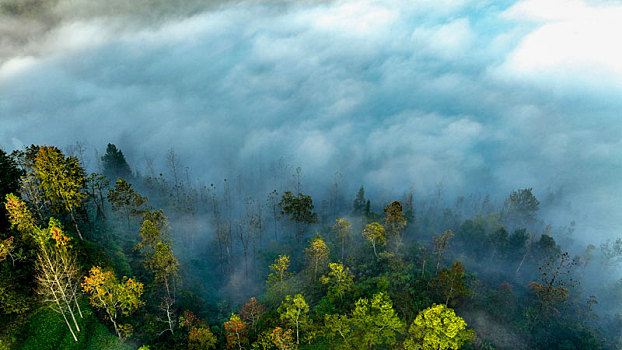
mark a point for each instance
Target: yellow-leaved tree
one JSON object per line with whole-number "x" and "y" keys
{"x": 58, "y": 273}
{"x": 114, "y": 297}
{"x": 62, "y": 180}
{"x": 437, "y": 328}
{"x": 374, "y": 233}
{"x": 317, "y": 253}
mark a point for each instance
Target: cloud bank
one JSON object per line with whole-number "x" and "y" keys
{"x": 481, "y": 96}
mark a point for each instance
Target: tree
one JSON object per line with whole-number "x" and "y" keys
{"x": 273, "y": 204}
{"x": 499, "y": 241}
{"x": 19, "y": 215}
{"x": 298, "y": 209}
{"x": 374, "y": 233}
{"x": 317, "y": 253}
{"x": 10, "y": 175}
{"x": 57, "y": 272}
{"x": 280, "y": 274}
{"x": 451, "y": 283}
{"x": 283, "y": 340}
{"x": 164, "y": 266}
{"x": 125, "y": 200}
{"x": 62, "y": 180}
{"x": 374, "y": 322}
{"x": 520, "y": 208}
{"x": 343, "y": 228}
{"x": 96, "y": 185}
{"x": 471, "y": 236}
{"x": 394, "y": 223}
{"x": 441, "y": 243}
{"x": 200, "y": 337}
{"x": 154, "y": 229}
{"x": 159, "y": 259}
{"x": 339, "y": 280}
{"x": 554, "y": 286}
{"x": 611, "y": 252}
{"x": 114, "y": 297}
{"x": 251, "y": 312}
{"x": 437, "y": 328}
{"x": 30, "y": 190}
{"x": 235, "y": 331}
{"x": 6, "y": 247}
{"x": 25, "y": 159}
{"x": 294, "y": 311}
{"x": 114, "y": 165}
{"x": 358, "y": 205}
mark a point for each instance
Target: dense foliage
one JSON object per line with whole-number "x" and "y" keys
{"x": 120, "y": 260}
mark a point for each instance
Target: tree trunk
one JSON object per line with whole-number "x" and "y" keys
{"x": 522, "y": 260}
{"x": 75, "y": 223}
{"x": 373, "y": 244}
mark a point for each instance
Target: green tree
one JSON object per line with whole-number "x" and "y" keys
{"x": 520, "y": 209}
{"x": 159, "y": 259}
{"x": 298, "y": 209}
{"x": 394, "y": 223}
{"x": 451, "y": 283}
{"x": 339, "y": 279}
{"x": 358, "y": 205}
{"x": 200, "y": 337}
{"x": 125, "y": 200}
{"x": 62, "y": 180}
{"x": 374, "y": 322}
{"x": 25, "y": 159}
{"x": 441, "y": 243}
{"x": 57, "y": 272}
{"x": 164, "y": 266}
{"x": 295, "y": 312}
{"x": 374, "y": 233}
{"x": 154, "y": 229}
{"x": 437, "y": 328}
{"x": 114, "y": 297}
{"x": 498, "y": 241}
{"x": 10, "y": 175}
{"x": 114, "y": 165}
{"x": 279, "y": 275}
{"x": 96, "y": 186}
{"x": 317, "y": 253}
{"x": 343, "y": 228}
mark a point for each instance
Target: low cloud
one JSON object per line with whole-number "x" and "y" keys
{"x": 476, "y": 95}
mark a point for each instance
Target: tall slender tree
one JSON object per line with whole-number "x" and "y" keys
{"x": 62, "y": 180}
{"x": 58, "y": 273}
{"x": 343, "y": 229}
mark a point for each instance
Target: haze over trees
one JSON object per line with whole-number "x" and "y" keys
{"x": 115, "y": 259}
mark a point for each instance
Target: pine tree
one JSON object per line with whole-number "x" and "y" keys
{"x": 114, "y": 165}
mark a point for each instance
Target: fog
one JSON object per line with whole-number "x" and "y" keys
{"x": 467, "y": 96}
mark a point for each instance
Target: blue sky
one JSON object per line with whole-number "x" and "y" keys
{"x": 483, "y": 96}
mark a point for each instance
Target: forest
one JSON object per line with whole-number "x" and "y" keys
{"x": 131, "y": 258}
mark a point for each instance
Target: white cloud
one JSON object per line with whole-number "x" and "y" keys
{"x": 389, "y": 93}
{"x": 575, "y": 43}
